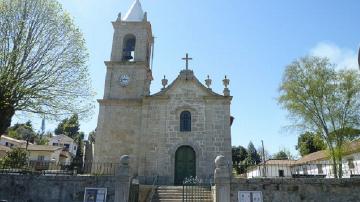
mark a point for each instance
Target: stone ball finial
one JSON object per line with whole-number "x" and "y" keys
{"x": 220, "y": 161}
{"x": 124, "y": 160}
{"x": 208, "y": 81}
{"x": 164, "y": 82}
{"x": 226, "y": 81}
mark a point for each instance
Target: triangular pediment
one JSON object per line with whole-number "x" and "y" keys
{"x": 188, "y": 85}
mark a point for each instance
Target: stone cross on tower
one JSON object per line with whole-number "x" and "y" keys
{"x": 187, "y": 60}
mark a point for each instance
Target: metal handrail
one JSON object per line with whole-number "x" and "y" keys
{"x": 194, "y": 189}
{"x": 152, "y": 193}
{"x": 133, "y": 195}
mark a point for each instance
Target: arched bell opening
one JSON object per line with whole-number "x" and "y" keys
{"x": 129, "y": 48}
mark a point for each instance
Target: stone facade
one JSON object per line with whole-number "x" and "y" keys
{"x": 147, "y": 127}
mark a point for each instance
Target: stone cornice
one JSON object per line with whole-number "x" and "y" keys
{"x": 120, "y": 101}
{"x": 218, "y": 98}
{"x": 224, "y": 99}
{"x": 112, "y": 64}
{"x": 147, "y": 99}
{"x": 119, "y": 23}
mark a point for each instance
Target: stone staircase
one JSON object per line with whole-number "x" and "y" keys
{"x": 175, "y": 194}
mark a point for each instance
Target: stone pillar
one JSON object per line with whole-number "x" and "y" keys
{"x": 122, "y": 175}
{"x": 222, "y": 180}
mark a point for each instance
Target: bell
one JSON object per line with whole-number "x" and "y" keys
{"x": 127, "y": 55}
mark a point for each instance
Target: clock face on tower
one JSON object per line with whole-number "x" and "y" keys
{"x": 124, "y": 80}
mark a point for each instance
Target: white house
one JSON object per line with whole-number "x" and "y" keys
{"x": 271, "y": 169}
{"x": 319, "y": 163}
{"x": 64, "y": 141}
{"x": 44, "y": 153}
{"x": 314, "y": 164}
{"x": 11, "y": 142}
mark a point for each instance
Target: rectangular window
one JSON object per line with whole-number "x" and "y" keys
{"x": 281, "y": 173}
{"x": 67, "y": 146}
{"x": 6, "y": 144}
{"x": 41, "y": 158}
{"x": 320, "y": 169}
{"x": 55, "y": 144}
{"x": 305, "y": 170}
{"x": 351, "y": 163}
{"x": 74, "y": 147}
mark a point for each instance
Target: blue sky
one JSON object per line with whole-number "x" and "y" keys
{"x": 249, "y": 41}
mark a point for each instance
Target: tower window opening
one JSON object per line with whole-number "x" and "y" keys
{"x": 129, "y": 48}
{"x": 185, "y": 121}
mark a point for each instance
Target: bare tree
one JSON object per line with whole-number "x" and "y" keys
{"x": 42, "y": 62}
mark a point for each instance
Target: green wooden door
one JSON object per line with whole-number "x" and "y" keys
{"x": 185, "y": 164}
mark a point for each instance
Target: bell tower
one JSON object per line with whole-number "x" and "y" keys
{"x": 129, "y": 73}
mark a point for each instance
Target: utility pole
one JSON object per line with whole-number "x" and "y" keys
{"x": 359, "y": 58}
{"x": 264, "y": 160}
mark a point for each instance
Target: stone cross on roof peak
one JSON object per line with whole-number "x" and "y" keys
{"x": 186, "y": 58}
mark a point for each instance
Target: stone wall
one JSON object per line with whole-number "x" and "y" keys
{"x": 299, "y": 189}
{"x": 27, "y": 188}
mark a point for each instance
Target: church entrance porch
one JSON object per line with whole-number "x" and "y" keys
{"x": 185, "y": 164}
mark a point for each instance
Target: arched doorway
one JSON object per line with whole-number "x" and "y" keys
{"x": 185, "y": 164}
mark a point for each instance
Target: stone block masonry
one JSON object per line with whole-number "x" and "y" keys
{"x": 27, "y": 188}
{"x": 294, "y": 190}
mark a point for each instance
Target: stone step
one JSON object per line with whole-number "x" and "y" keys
{"x": 176, "y": 200}
{"x": 180, "y": 196}
{"x": 181, "y": 189}
{"x": 175, "y": 194}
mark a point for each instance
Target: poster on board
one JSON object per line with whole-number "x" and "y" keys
{"x": 95, "y": 194}
{"x": 250, "y": 196}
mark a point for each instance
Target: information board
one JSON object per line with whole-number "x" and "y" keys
{"x": 95, "y": 194}
{"x": 250, "y": 196}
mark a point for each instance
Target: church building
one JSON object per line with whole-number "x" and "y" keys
{"x": 174, "y": 133}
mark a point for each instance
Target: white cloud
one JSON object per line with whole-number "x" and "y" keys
{"x": 343, "y": 57}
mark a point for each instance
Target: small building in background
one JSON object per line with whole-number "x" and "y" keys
{"x": 58, "y": 154}
{"x": 11, "y": 142}
{"x": 317, "y": 164}
{"x": 65, "y": 142}
{"x": 44, "y": 153}
{"x": 271, "y": 169}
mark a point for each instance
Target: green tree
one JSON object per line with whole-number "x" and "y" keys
{"x": 91, "y": 137}
{"x": 42, "y": 62}
{"x": 281, "y": 155}
{"x": 41, "y": 140}
{"x": 238, "y": 154}
{"x": 253, "y": 158}
{"x": 69, "y": 126}
{"x": 77, "y": 162}
{"x": 309, "y": 143}
{"x": 25, "y": 131}
{"x": 322, "y": 100}
{"x": 16, "y": 158}
{"x": 22, "y": 131}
